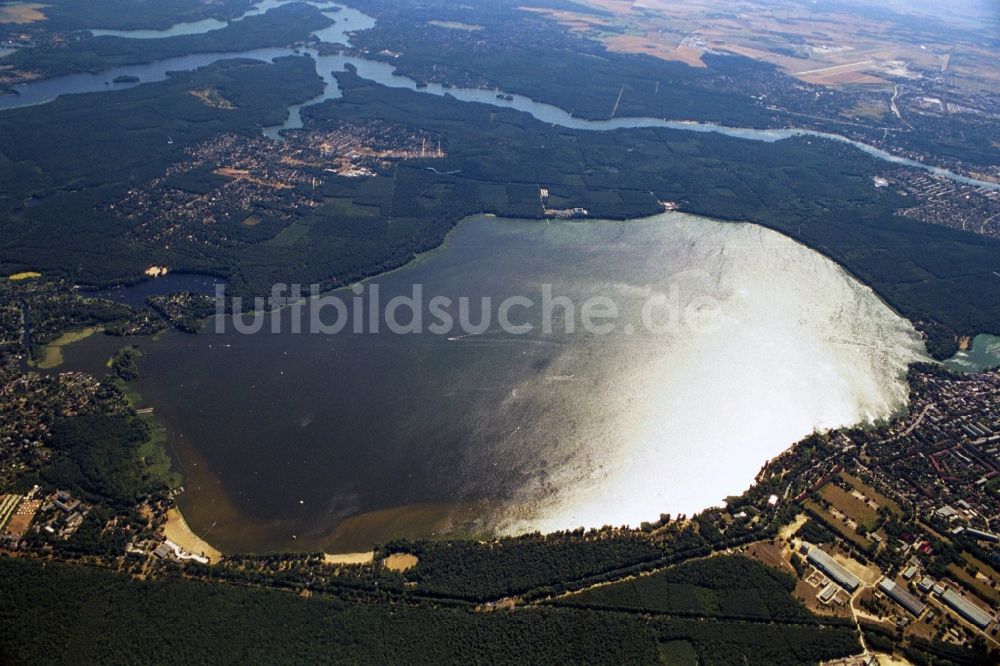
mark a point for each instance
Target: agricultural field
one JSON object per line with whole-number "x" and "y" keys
{"x": 22, "y": 13}
{"x": 871, "y": 493}
{"x": 834, "y": 45}
{"x": 831, "y": 521}
{"x": 856, "y": 509}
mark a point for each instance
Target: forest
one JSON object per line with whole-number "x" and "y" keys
{"x": 72, "y": 15}
{"x": 56, "y": 610}
{"x": 283, "y": 25}
{"x": 62, "y": 166}
{"x": 921, "y": 652}
{"x": 724, "y": 586}
{"x": 96, "y": 456}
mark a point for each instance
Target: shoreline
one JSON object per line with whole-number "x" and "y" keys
{"x": 666, "y": 218}
{"x": 420, "y": 257}
{"x": 177, "y": 530}
{"x": 192, "y": 542}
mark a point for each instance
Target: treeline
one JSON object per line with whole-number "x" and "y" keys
{"x": 56, "y": 613}
{"x": 544, "y": 564}
{"x": 537, "y": 566}
{"x": 815, "y": 533}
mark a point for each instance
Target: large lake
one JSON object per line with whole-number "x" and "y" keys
{"x": 340, "y": 441}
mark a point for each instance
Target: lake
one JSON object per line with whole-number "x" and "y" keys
{"x": 983, "y": 354}
{"x": 340, "y": 441}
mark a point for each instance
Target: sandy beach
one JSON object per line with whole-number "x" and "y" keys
{"x": 349, "y": 558}
{"x": 177, "y": 530}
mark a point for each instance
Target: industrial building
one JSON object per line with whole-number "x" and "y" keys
{"x": 833, "y": 569}
{"x": 902, "y": 596}
{"x": 980, "y": 535}
{"x": 966, "y": 608}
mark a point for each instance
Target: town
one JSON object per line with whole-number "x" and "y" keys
{"x": 226, "y": 186}
{"x": 899, "y": 530}
{"x": 938, "y": 200}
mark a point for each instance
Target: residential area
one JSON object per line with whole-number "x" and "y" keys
{"x": 234, "y": 187}
{"x": 901, "y": 533}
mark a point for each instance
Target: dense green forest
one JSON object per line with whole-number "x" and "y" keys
{"x": 479, "y": 572}
{"x": 281, "y": 26}
{"x": 97, "y": 456}
{"x": 57, "y": 611}
{"x": 723, "y": 586}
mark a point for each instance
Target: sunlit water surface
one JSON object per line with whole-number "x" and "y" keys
{"x": 341, "y": 441}
{"x": 338, "y": 442}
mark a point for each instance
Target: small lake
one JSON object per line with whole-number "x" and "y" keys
{"x": 340, "y": 441}
{"x": 984, "y": 354}
{"x": 136, "y": 295}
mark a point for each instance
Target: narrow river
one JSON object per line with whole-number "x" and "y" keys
{"x": 349, "y": 20}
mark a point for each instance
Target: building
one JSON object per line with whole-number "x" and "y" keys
{"x": 980, "y": 535}
{"x": 828, "y": 592}
{"x": 65, "y": 502}
{"x": 966, "y": 608}
{"x": 946, "y": 512}
{"x": 901, "y": 596}
{"x": 833, "y": 569}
